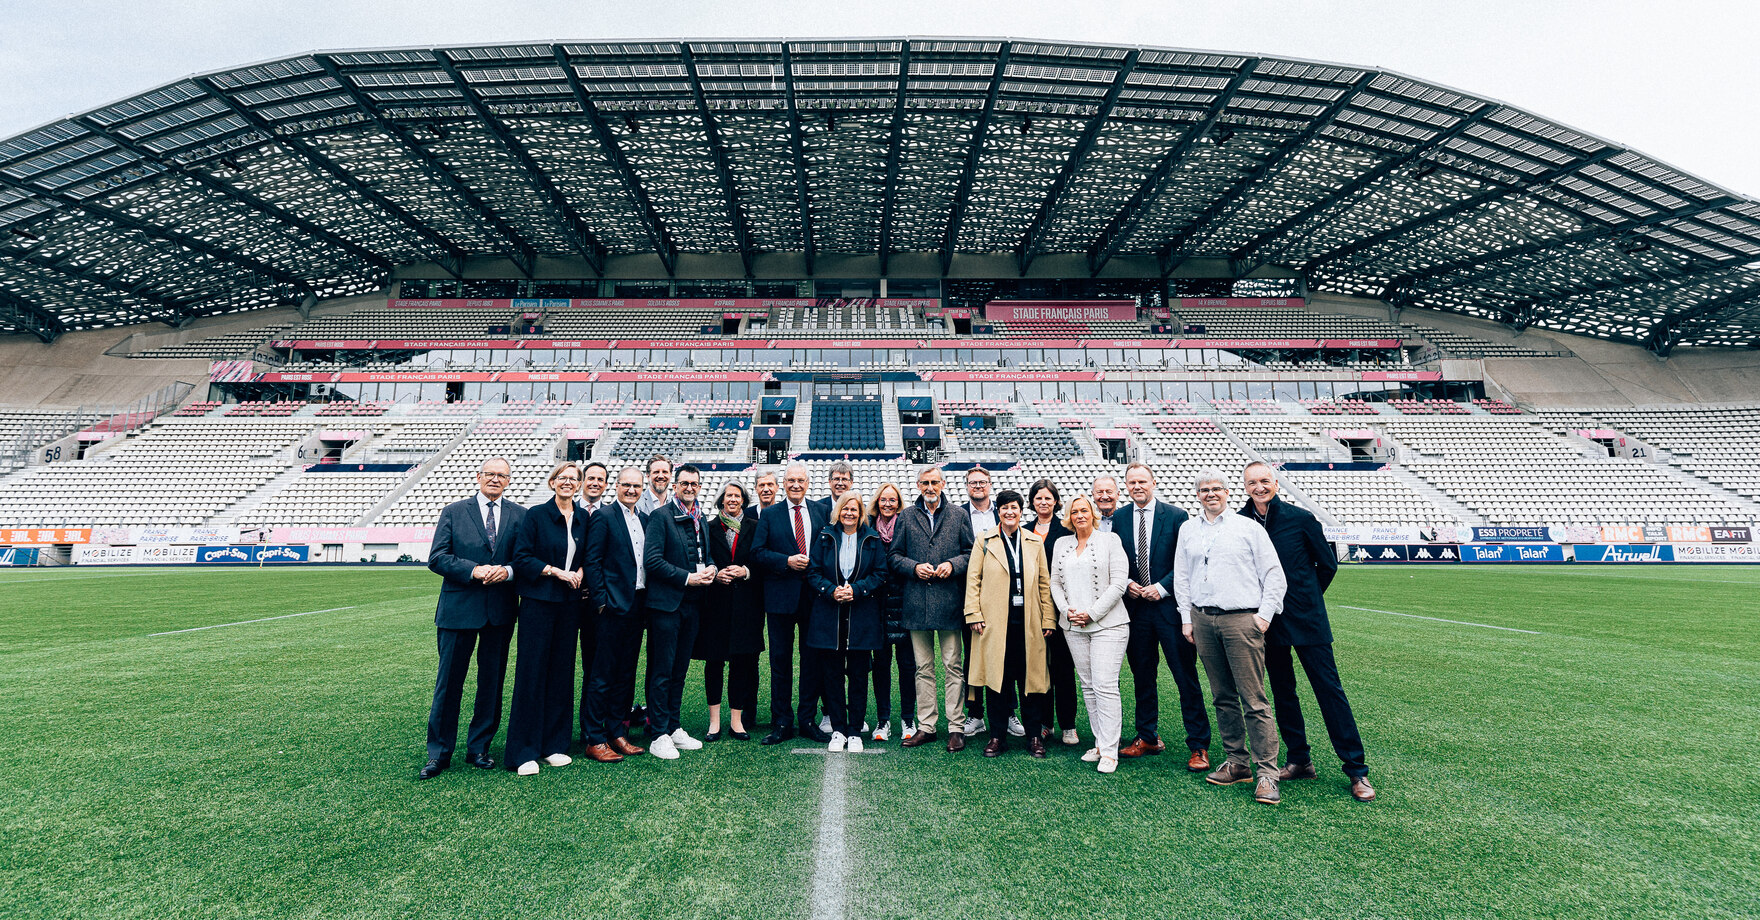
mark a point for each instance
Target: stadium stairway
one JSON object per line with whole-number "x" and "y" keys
{"x": 414, "y": 477}
{"x": 1660, "y": 460}
{"x": 268, "y": 490}
{"x": 1436, "y": 496}
{"x": 894, "y": 429}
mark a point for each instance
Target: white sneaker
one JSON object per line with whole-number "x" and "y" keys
{"x": 1015, "y": 727}
{"x": 864, "y": 726}
{"x": 1092, "y": 756}
{"x": 684, "y": 742}
{"x": 976, "y": 726}
{"x": 529, "y": 768}
{"x": 663, "y": 748}
{"x": 559, "y": 760}
{"x": 837, "y": 742}
{"x": 884, "y": 732}
{"x": 1070, "y": 736}
{"x": 907, "y": 730}
{"x": 825, "y": 723}
{"x": 1108, "y": 765}
{"x": 855, "y": 744}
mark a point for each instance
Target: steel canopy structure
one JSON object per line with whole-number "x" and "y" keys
{"x": 328, "y": 174}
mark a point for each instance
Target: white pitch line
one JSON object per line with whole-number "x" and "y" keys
{"x": 247, "y": 622}
{"x": 820, "y": 750}
{"x": 1414, "y": 616}
{"x": 20, "y": 581}
{"x": 829, "y": 850}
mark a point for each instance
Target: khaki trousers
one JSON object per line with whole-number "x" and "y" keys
{"x": 923, "y": 642}
{"x": 1233, "y": 652}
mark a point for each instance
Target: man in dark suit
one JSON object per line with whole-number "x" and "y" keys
{"x": 780, "y": 547}
{"x": 617, "y": 601}
{"x": 591, "y": 500}
{"x": 1148, "y": 524}
{"x": 838, "y": 479}
{"x": 1308, "y": 565}
{"x": 679, "y": 573}
{"x": 472, "y": 551}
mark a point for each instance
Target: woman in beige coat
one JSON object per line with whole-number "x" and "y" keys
{"x": 1008, "y": 606}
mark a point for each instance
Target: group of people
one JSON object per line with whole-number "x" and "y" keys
{"x": 1017, "y": 598}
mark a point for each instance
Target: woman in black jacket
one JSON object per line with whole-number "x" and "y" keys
{"x": 730, "y": 628}
{"x": 1046, "y": 504}
{"x": 883, "y": 515}
{"x": 846, "y": 571}
{"x": 549, "y": 549}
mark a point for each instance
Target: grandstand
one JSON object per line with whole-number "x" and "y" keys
{"x": 1046, "y": 310}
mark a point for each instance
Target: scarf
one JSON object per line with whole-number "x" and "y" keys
{"x": 884, "y": 525}
{"x": 730, "y": 523}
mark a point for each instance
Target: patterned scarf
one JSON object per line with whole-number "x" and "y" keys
{"x": 730, "y": 523}
{"x": 884, "y": 525}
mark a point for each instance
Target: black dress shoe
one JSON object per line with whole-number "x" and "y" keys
{"x": 433, "y": 768}
{"x": 777, "y": 736}
{"x": 481, "y": 762}
{"x": 812, "y": 733}
{"x": 739, "y": 736}
{"x": 712, "y": 736}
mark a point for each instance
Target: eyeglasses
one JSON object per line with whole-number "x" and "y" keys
{"x": 1211, "y": 490}
{"x": 493, "y": 475}
{"x": 567, "y": 479}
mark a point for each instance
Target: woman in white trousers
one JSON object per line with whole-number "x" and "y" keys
{"x": 1088, "y": 579}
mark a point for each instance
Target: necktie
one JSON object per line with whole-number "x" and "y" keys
{"x": 490, "y": 527}
{"x": 1143, "y": 520}
{"x": 800, "y": 531}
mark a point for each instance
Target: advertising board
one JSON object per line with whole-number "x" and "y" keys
{"x": 1626, "y": 553}
{"x": 44, "y": 536}
{"x": 1717, "y": 552}
{"x": 18, "y": 555}
{"x": 1512, "y": 552}
{"x": 252, "y": 555}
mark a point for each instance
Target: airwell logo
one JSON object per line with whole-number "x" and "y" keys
{"x": 1633, "y": 554}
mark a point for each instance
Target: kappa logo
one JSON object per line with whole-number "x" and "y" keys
{"x": 1361, "y": 553}
{"x": 1424, "y": 553}
{"x": 1448, "y": 553}
{"x": 1389, "y": 554}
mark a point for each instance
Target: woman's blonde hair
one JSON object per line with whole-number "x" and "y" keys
{"x": 1070, "y": 509}
{"x": 564, "y": 465}
{"x": 874, "y": 506}
{"x": 847, "y": 497}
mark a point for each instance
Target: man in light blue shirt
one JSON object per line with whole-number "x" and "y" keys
{"x": 1229, "y": 585}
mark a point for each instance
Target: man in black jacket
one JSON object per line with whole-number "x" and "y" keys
{"x": 472, "y": 551}
{"x": 676, "y": 557}
{"x": 617, "y": 600}
{"x": 1308, "y": 565}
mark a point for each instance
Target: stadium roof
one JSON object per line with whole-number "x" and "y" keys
{"x": 327, "y": 174}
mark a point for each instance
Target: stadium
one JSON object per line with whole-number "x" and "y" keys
{"x": 263, "y": 324}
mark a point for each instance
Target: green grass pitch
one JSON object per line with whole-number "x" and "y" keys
{"x": 1602, "y": 765}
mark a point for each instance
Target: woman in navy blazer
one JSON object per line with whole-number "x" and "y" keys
{"x": 845, "y": 621}
{"x": 549, "y": 556}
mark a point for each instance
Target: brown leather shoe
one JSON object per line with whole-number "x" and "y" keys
{"x": 622, "y": 746}
{"x": 1036, "y": 747}
{"x": 1229, "y": 774}
{"x": 1141, "y": 748}
{"x": 919, "y": 739}
{"x": 1296, "y": 771}
{"x": 604, "y": 754}
{"x": 1265, "y": 791}
{"x": 1361, "y": 790}
{"x": 1198, "y": 762}
{"x": 956, "y": 742}
{"x": 994, "y": 747}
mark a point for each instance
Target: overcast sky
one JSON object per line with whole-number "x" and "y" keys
{"x": 1678, "y": 80}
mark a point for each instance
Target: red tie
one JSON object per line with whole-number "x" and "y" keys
{"x": 800, "y": 531}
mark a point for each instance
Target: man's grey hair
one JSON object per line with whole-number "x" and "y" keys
{"x": 1206, "y": 477}
{"x": 927, "y": 469}
{"x": 1097, "y": 479}
{"x": 771, "y": 473}
{"x": 501, "y": 460}
{"x": 797, "y": 466}
{"x": 1268, "y": 468}
{"x": 841, "y": 466}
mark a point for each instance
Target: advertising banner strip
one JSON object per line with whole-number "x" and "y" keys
{"x": 44, "y": 536}
{"x": 1236, "y": 302}
{"x": 1513, "y": 552}
{"x": 1076, "y": 311}
{"x": 351, "y": 534}
{"x": 759, "y": 304}
{"x": 1625, "y": 553}
{"x": 1012, "y": 375}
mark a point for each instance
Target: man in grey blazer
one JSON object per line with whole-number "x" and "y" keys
{"x": 472, "y": 550}
{"x": 931, "y": 548}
